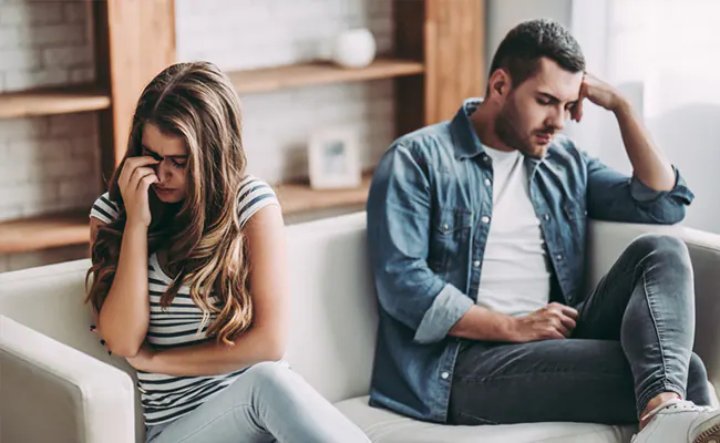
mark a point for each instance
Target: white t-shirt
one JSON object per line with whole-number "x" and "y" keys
{"x": 515, "y": 277}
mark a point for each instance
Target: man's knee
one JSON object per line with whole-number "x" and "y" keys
{"x": 665, "y": 248}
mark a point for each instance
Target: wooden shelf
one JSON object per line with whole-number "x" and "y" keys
{"x": 52, "y": 101}
{"x": 319, "y": 73}
{"x": 44, "y": 232}
{"x": 71, "y": 228}
{"x": 296, "y": 198}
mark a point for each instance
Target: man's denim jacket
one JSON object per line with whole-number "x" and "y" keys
{"x": 428, "y": 217}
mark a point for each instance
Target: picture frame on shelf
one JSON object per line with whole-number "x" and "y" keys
{"x": 334, "y": 159}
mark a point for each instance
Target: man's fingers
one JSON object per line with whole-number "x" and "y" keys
{"x": 568, "y": 323}
{"x": 579, "y": 112}
{"x": 578, "y": 108}
{"x": 570, "y": 312}
{"x": 564, "y": 309}
{"x": 558, "y": 333}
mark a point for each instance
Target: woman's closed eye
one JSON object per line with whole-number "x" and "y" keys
{"x": 175, "y": 162}
{"x": 178, "y": 163}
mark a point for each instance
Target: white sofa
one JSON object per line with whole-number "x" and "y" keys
{"x": 57, "y": 384}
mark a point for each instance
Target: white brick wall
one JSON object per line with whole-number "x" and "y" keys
{"x": 49, "y": 163}
{"x": 44, "y": 43}
{"x": 247, "y": 34}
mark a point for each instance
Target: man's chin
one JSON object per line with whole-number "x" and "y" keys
{"x": 535, "y": 150}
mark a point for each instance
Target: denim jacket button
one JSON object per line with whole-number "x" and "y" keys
{"x": 476, "y": 263}
{"x": 487, "y": 182}
{"x": 485, "y": 219}
{"x": 445, "y": 375}
{"x": 546, "y": 217}
{"x": 445, "y": 227}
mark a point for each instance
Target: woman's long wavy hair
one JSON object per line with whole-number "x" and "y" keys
{"x": 206, "y": 248}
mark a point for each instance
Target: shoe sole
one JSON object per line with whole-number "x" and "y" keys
{"x": 712, "y": 435}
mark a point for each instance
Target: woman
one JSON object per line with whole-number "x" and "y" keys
{"x": 189, "y": 280}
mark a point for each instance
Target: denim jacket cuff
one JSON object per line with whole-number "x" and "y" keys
{"x": 448, "y": 307}
{"x": 642, "y": 193}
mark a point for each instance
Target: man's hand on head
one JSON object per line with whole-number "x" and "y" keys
{"x": 599, "y": 93}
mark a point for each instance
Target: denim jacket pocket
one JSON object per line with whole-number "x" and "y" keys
{"x": 450, "y": 231}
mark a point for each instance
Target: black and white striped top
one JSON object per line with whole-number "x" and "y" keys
{"x": 165, "y": 397}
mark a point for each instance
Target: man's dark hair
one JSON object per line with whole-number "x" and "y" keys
{"x": 520, "y": 51}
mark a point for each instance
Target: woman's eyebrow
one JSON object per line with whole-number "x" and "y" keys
{"x": 157, "y": 156}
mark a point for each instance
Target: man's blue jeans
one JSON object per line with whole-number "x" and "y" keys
{"x": 633, "y": 340}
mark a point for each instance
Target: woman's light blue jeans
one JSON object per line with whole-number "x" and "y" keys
{"x": 269, "y": 402}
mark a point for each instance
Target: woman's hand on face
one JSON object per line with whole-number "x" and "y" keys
{"x": 135, "y": 179}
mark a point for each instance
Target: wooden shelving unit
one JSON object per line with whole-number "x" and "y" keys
{"x": 297, "y": 198}
{"x": 71, "y": 228}
{"x": 53, "y": 101}
{"x": 319, "y": 73}
{"x": 438, "y": 62}
{"x": 48, "y": 231}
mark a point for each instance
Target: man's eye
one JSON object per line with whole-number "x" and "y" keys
{"x": 543, "y": 101}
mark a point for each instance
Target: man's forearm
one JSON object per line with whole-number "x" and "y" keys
{"x": 483, "y": 324}
{"x": 649, "y": 165}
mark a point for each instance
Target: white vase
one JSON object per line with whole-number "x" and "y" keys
{"x": 354, "y": 48}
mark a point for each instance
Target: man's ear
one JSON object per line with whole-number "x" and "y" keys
{"x": 499, "y": 84}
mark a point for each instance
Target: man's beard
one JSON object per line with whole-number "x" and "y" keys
{"x": 506, "y": 130}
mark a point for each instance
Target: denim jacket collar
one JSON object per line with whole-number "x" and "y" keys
{"x": 468, "y": 143}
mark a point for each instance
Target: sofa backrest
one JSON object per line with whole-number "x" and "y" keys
{"x": 332, "y": 335}
{"x": 334, "y": 317}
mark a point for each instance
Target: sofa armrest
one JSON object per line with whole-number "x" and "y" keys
{"x": 607, "y": 240}
{"x": 52, "y": 392}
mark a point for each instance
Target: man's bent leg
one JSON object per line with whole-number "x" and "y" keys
{"x": 552, "y": 380}
{"x": 647, "y": 302}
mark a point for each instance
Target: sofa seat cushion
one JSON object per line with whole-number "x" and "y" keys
{"x": 383, "y": 426}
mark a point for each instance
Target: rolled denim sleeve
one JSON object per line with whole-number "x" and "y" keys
{"x": 398, "y": 219}
{"x": 448, "y": 307}
{"x": 617, "y": 197}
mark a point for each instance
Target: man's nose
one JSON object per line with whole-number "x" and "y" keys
{"x": 556, "y": 119}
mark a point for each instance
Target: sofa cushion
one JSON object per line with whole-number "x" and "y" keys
{"x": 383, "y": 426}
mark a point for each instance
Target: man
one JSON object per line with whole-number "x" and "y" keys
{"x": 476, "y": 231}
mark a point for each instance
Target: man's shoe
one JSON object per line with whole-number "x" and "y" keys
{"x": 681, "y": 421}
